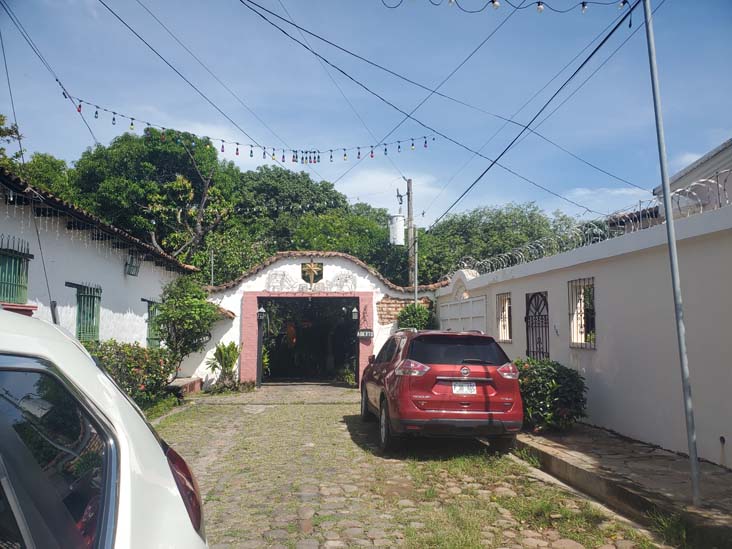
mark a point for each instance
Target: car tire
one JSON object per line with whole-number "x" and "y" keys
{"x": 502, "y": 445}
{"x": 387, "y": 440}
{"x": 366, "y": 414}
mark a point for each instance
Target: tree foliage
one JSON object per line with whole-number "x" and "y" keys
{"x": 416, "y": 316}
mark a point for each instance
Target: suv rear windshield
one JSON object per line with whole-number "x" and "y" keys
{"x": 448, "y": 349}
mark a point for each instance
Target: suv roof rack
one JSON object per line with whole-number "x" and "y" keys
{"x": 413, "y": 330}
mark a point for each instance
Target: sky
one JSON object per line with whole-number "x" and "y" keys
{"x": 609, "y": 122}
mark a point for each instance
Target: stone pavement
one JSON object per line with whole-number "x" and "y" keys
{"x": 294, "y": 466}
{"x": 637, "y": 478}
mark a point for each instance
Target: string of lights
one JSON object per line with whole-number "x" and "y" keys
{"x": 424, "y": 125}
{"x": 21, "y": 29}
{"x": 435, "y": 91}
{"x": 305, "y": 155}
{"x": 540, "y": 111}
{"x": 540, "y": 6}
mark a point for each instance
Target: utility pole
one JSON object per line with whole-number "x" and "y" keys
{"x": 671, "y": 237}
{"x": 410, "y": 233}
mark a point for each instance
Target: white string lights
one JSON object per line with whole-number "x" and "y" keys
{"x": 539, "y": 5}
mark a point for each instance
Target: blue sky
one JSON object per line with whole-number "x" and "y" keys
{"x": 609, "y": 121}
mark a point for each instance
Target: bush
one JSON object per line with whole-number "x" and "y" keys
{"x": 224, "y": 362}
{"x": 553, "y": 395}
{"x": 142, "y": 373}
{"x": 416, "y": 316}
{"x": 347, "y": 376}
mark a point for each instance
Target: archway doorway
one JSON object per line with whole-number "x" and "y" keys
{"x": 310, "y": 338}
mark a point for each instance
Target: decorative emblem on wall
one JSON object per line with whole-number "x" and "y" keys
{"x": 344, "y": 282}
{"x": 312, "y": 272}
{"x": 280, "y": 281}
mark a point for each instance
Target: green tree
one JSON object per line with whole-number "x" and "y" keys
{"x": 9, "y": 135}
{"x": 416, "y": 316}
{"x": 185, "y": 317}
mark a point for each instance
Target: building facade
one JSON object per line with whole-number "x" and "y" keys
{"x": 57, "y": 260}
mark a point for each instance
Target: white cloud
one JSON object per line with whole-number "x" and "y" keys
{"x": 605, "y": 199}
{"x": 684, "y": 159}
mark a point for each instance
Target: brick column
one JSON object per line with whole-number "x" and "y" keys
{"x": 248, "y": 338}
{"x": 366, "y": 320}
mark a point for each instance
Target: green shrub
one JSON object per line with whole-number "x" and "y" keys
{"x": 347, "y": 376}
{"x": 224, "y": 362}
{"x": 141, "y": 372}
{"x": 553, "y": 395}
{"x": 416, "y": 316}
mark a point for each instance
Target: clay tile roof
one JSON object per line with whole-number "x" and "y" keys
{"x": 226, "y": 313}
{"x": 16, "y": 184}
{"x": 324, "y": 255}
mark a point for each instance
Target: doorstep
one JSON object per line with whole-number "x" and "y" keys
{"x": 636, "y": 479}
{"x": 186, "y": 385}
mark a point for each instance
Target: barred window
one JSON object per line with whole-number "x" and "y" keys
{"x": 153, "y": 335}
{"x": 88, "y": 301}
{"x": 503, "y": 317}
{"x": 14, "y": 259}
{"x": 582, "y": 331}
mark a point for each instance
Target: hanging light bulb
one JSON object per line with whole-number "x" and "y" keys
{"x": 78, "y": 108}
{"x": 222, "y": 145}
{"x": 274, "y": 157}
{"x": 264, "y": 153}
{"x": 114, "y": 119}
{"x": 584, "y": 7}
{"x": 132, "y": 124}
{"x": 318, "y": 157}
{"x": 425, "y": 142}
{"x": 399, "y": 146}
{"x": 251, "y": 151}
{"x": 496, "y": 4}
{"x": 294, "y": 156}
{"x": 331, "y": 155}
{"x": 372, "y": 152}
{"x": 237, "y": 149}
{"x": 540, "y": 7}
{"x": 345, "y": 155}
{"x": 96, "y": 113}
{"x": 358, "y": 155}
{"x": 385, "y": 151}
{"x": 283, "y": 156}
{"x": 412, "y": 144}
{"x": 622, "y": 4}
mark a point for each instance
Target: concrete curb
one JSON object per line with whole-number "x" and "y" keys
{"x": 632, "y": 500}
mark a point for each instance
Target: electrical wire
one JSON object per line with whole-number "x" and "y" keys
{"x": 437, "y": 132}
{"x": 231, "y": 92}
{"x": 49, "y": 68}
{"x": 22, "y": 159}
{"x": 506, "y": 120}
{"x": 540, "y": 111}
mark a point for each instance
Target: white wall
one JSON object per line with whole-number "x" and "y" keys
{"x": 633, "y": 375}
{"x": 71, "y": 256}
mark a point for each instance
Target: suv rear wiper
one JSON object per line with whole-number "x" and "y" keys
{"x": 475, "y": 361}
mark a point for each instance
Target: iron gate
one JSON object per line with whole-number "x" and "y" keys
{"x": 537, "y": 325}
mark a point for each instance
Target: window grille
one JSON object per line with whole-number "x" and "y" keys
{"x": 14, "y": 259}
{"x": 153, "y": 335}
{"x": 583, "y": 333}
{"x": 503, "y": 317}
{"x": 88, "y": 301}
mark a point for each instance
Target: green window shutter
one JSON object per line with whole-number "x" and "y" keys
{"x": 88, "y": 305}
{"x": 14, "y": 259}
{"x": 153, "y": 336}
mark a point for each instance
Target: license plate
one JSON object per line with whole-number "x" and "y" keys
{"x": 463, "y": 388}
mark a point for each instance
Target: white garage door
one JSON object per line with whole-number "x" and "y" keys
{"x": 467, "y": 314}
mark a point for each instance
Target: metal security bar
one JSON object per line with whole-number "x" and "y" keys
{"x": 14, "y": 259}
{"x": 537, "y": 325}
{"x": 582, "y": 329}
{"x": 153, "y": 335}
{"x": 503, "y": 317}
{"x": 88, "y": 301}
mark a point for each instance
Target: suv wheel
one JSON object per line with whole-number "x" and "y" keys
{"x": 366, "y": 414}
{"x": 387, "y": 441}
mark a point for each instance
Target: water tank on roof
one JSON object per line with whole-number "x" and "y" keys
{"x": 396, "y": 230}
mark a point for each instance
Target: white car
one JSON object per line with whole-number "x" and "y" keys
{"x": 80, "y": 467}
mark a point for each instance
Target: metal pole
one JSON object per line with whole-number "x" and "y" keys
{"x": 671, "y": 236}
{"x": 410, "y": 233}
{"x": 416, "y": 260}
{"x": 260, "y": 337}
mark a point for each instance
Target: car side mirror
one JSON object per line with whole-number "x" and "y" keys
{"x": 372, "y": 359}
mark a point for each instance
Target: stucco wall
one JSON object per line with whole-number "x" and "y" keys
{"x": 231, "y": 299}
{"x": 633, "y": 375}
{"x": 72, "y": 256}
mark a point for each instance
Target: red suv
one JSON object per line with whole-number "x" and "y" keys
{"x": 437, "y": 383}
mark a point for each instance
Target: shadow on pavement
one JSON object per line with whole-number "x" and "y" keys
{"x": 366, "y": 435}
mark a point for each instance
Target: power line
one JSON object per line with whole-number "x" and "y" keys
{"x": 436, "y": 91}
{"x": 49, "y": 68}
{"x": 541, "y": 110}
{"x": 180, "y": 74}
{"x": 213, "y": 75}
{"x": 441, "y": 134}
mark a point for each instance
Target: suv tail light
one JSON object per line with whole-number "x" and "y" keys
{"x": 411, "y": 368}
{"x": 187, "y": 486}
{"x": 509, "y": 371}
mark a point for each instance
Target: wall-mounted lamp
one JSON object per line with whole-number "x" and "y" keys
{"x": 354, "y": 313}
{"x": 132, "y": 265}
{"x": 261, "y": 313}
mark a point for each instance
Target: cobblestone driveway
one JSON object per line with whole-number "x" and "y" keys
{"x": 293, "y": 466}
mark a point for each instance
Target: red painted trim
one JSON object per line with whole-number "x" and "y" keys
{"x": 249, "y": 327}
{"x": 26, "y": 310}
